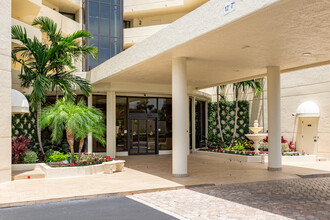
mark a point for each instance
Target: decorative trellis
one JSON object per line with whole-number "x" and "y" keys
{"x": 227, "y": 120}
{"x": 25, "y": 125}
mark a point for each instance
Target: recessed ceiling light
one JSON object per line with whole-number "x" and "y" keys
{"x": 245, "y": 46}
{"x": 307, "y": 54}
{"x": 236, "y": 70}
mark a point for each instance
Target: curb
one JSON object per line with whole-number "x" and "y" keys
{"x": 317, "y": 175}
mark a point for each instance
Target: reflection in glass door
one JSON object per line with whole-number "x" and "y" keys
{"x": 142, "y": 136}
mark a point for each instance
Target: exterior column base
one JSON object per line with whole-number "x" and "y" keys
{"x": 274, "y": 169}
{"x": 179, "y": 175}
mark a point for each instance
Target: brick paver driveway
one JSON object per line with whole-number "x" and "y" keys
{"x": 280, "y": 199}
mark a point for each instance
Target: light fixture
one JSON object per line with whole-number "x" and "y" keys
{"x": 307, "y": 54}
{"x": 245, "y": 47}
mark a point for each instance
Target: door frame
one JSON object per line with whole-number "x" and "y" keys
{"x": 142, "y": 116}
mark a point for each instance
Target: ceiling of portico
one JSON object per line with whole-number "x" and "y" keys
{"x": 278, "y": 33}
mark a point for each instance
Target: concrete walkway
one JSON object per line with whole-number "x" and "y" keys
{"x": 145, "y": 174}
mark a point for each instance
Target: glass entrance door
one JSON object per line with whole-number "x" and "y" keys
{"x": 143, "y": 136}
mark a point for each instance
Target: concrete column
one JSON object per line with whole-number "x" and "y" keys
{"x": 90, "y": 138}
{"x": 274, "y": 118}
{"x": 193, "y": 124}
{"x": 179, "y": 111}
{"x": 111, "y": 124}
{"x": 5, "y": 91}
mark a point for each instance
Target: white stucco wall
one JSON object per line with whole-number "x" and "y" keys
{"x": 5, "y": 91}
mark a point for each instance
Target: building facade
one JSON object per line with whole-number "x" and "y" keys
{"x": 151, "y": 92}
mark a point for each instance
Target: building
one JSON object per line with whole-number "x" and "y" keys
{"x": 151, "y": 92}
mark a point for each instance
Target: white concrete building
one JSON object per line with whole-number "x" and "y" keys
{"x": 219, "y": 42}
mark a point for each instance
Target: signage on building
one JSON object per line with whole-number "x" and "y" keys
{"x": 229, "y": 6}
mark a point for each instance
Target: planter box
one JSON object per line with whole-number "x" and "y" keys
{"x": 58, "y": 172}
{"x": 233, "y": 157}
{"x": 297, "y": 159}
{"x": 256, "y": 159}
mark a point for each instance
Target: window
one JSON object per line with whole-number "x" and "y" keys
{"x": 69, "y": 15}
{"x": 127, "y": 24}
{"x": 104, "y": 21}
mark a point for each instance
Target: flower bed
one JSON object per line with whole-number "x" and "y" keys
{"x": 71, "y": 171}
{"x": 84, "y": 160}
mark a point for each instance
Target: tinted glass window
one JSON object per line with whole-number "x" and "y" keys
{"x": 104, "y": 52}
{"x": 115, "y": 21}
{"x": 104, "y": 20}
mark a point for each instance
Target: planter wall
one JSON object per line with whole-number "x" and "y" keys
{"x": 233, "y": 157}
{"x": 58, "y": 172}
{"x": 257, "y": 159}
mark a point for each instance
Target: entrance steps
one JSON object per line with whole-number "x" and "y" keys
{"x": 28, "y": 174}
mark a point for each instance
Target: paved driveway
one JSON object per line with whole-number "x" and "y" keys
{"x": 280, "y": 199}
{"x": 111, "y": 208}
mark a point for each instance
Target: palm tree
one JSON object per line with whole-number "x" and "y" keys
{"x": 94, "y": 125}
{"x": 77, "y": 120}
{"x": 255, "y": 85}
{"x": 49, "y": 66}
{"x": 222, "y": 87}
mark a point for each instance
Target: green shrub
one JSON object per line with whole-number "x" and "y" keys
{"x": 56, "y": 156}
{"x": 30, "y": 157}
{"x": 239, "y": 146}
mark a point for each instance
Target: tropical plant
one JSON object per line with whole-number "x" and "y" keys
{"x": 255, "y": 85}
{"x": 95, "y": 125}
{"x": 20, "y": 146}
{"x": 49, "y": 66}
{"x": 77, "y": 120}
{"x": 222, "y": 87}
{"x": 30, "y": 157}
{"x": 56, "y": 156}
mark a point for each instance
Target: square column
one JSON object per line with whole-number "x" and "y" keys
{"x": 89, "y": 137}
{"x": 274, "y": 118}
{"x": 111, "y": 124}
{"x": 5, "y": 91}
{"x": 179, "y": 117}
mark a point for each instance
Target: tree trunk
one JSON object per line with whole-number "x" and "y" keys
{"x": 236, "y": 116}
{"x": 39, "y": 130}
{"x": 81, "y": 144}
{"x": 56, "y": 93}
{"x": 70, "y": 140}
{"x": 218, "y": 115}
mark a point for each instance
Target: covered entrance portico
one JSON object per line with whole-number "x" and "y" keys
{"x": 208, "y": 47}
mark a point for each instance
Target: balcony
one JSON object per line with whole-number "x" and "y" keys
{"x": 25, "y": 10}
{"x": 67, "y": 25}
{"x": 65, "y": 5}
{"x": 135, "y": 35}
{"x": 134, "y": 8}
{"x": 31, "y": 31}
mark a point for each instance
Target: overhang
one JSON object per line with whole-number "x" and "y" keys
{"x": 292, "y": 34}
